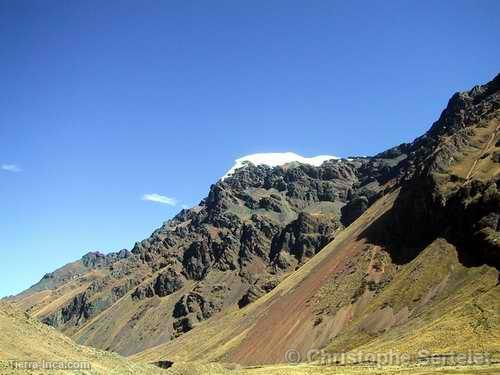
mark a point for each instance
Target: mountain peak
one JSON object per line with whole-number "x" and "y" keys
{"x": 274, "y": 159}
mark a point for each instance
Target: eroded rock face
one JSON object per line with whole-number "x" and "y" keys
{"x": 77, "y": 311}
{"x": 166, "y": 283}
{"x": 197, "y": 306}
{"x": 97, "y": 259}
{"x": 252, "y": 295}
{"x": 352, "y": 210}
{"x": 306, "y": 235}
{"x": 91, "y": 302}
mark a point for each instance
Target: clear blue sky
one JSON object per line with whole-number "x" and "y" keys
{"x": 104, "y": 101}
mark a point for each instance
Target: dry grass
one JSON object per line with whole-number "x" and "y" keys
{"x": 308, "y": 369}
{"x": 25, "y": 339}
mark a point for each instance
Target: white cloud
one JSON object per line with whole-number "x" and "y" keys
{"x": 160, "y": 199}
{"x": 11, "y": 168}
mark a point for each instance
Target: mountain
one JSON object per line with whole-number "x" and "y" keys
{"x": 418, "y": 265}
{"x": 365, "y": 253}
{"x": 256, "y": 226}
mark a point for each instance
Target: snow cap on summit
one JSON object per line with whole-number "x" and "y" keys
{"x": 273, "y": 159}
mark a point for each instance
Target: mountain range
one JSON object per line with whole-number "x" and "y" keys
{"x": 396, "y": 251}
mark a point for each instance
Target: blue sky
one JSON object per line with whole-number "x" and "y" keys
{"x": 104, "y": 102}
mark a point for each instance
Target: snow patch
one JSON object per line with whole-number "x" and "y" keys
{"x": 273, "y": 159}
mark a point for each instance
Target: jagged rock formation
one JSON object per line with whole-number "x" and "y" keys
{"x": 260, "y": 224}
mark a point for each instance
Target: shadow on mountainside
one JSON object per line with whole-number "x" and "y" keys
{"x": 469, "y": 220}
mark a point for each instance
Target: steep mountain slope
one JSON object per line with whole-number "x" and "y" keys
{"x": 26, "y": 339}
{"x": 419, "y": 266}
{"x": 420, "y": 255}
{"x": 293, "y": 317}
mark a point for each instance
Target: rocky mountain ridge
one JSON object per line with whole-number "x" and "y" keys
{"x": 260, "y": 224}
{"x": 417, "y": 272}
{"x": 255, "y": 226}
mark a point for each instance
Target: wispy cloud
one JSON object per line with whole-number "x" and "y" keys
{"x": 11, "y": 168}
{"x": 160, "y": 199}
